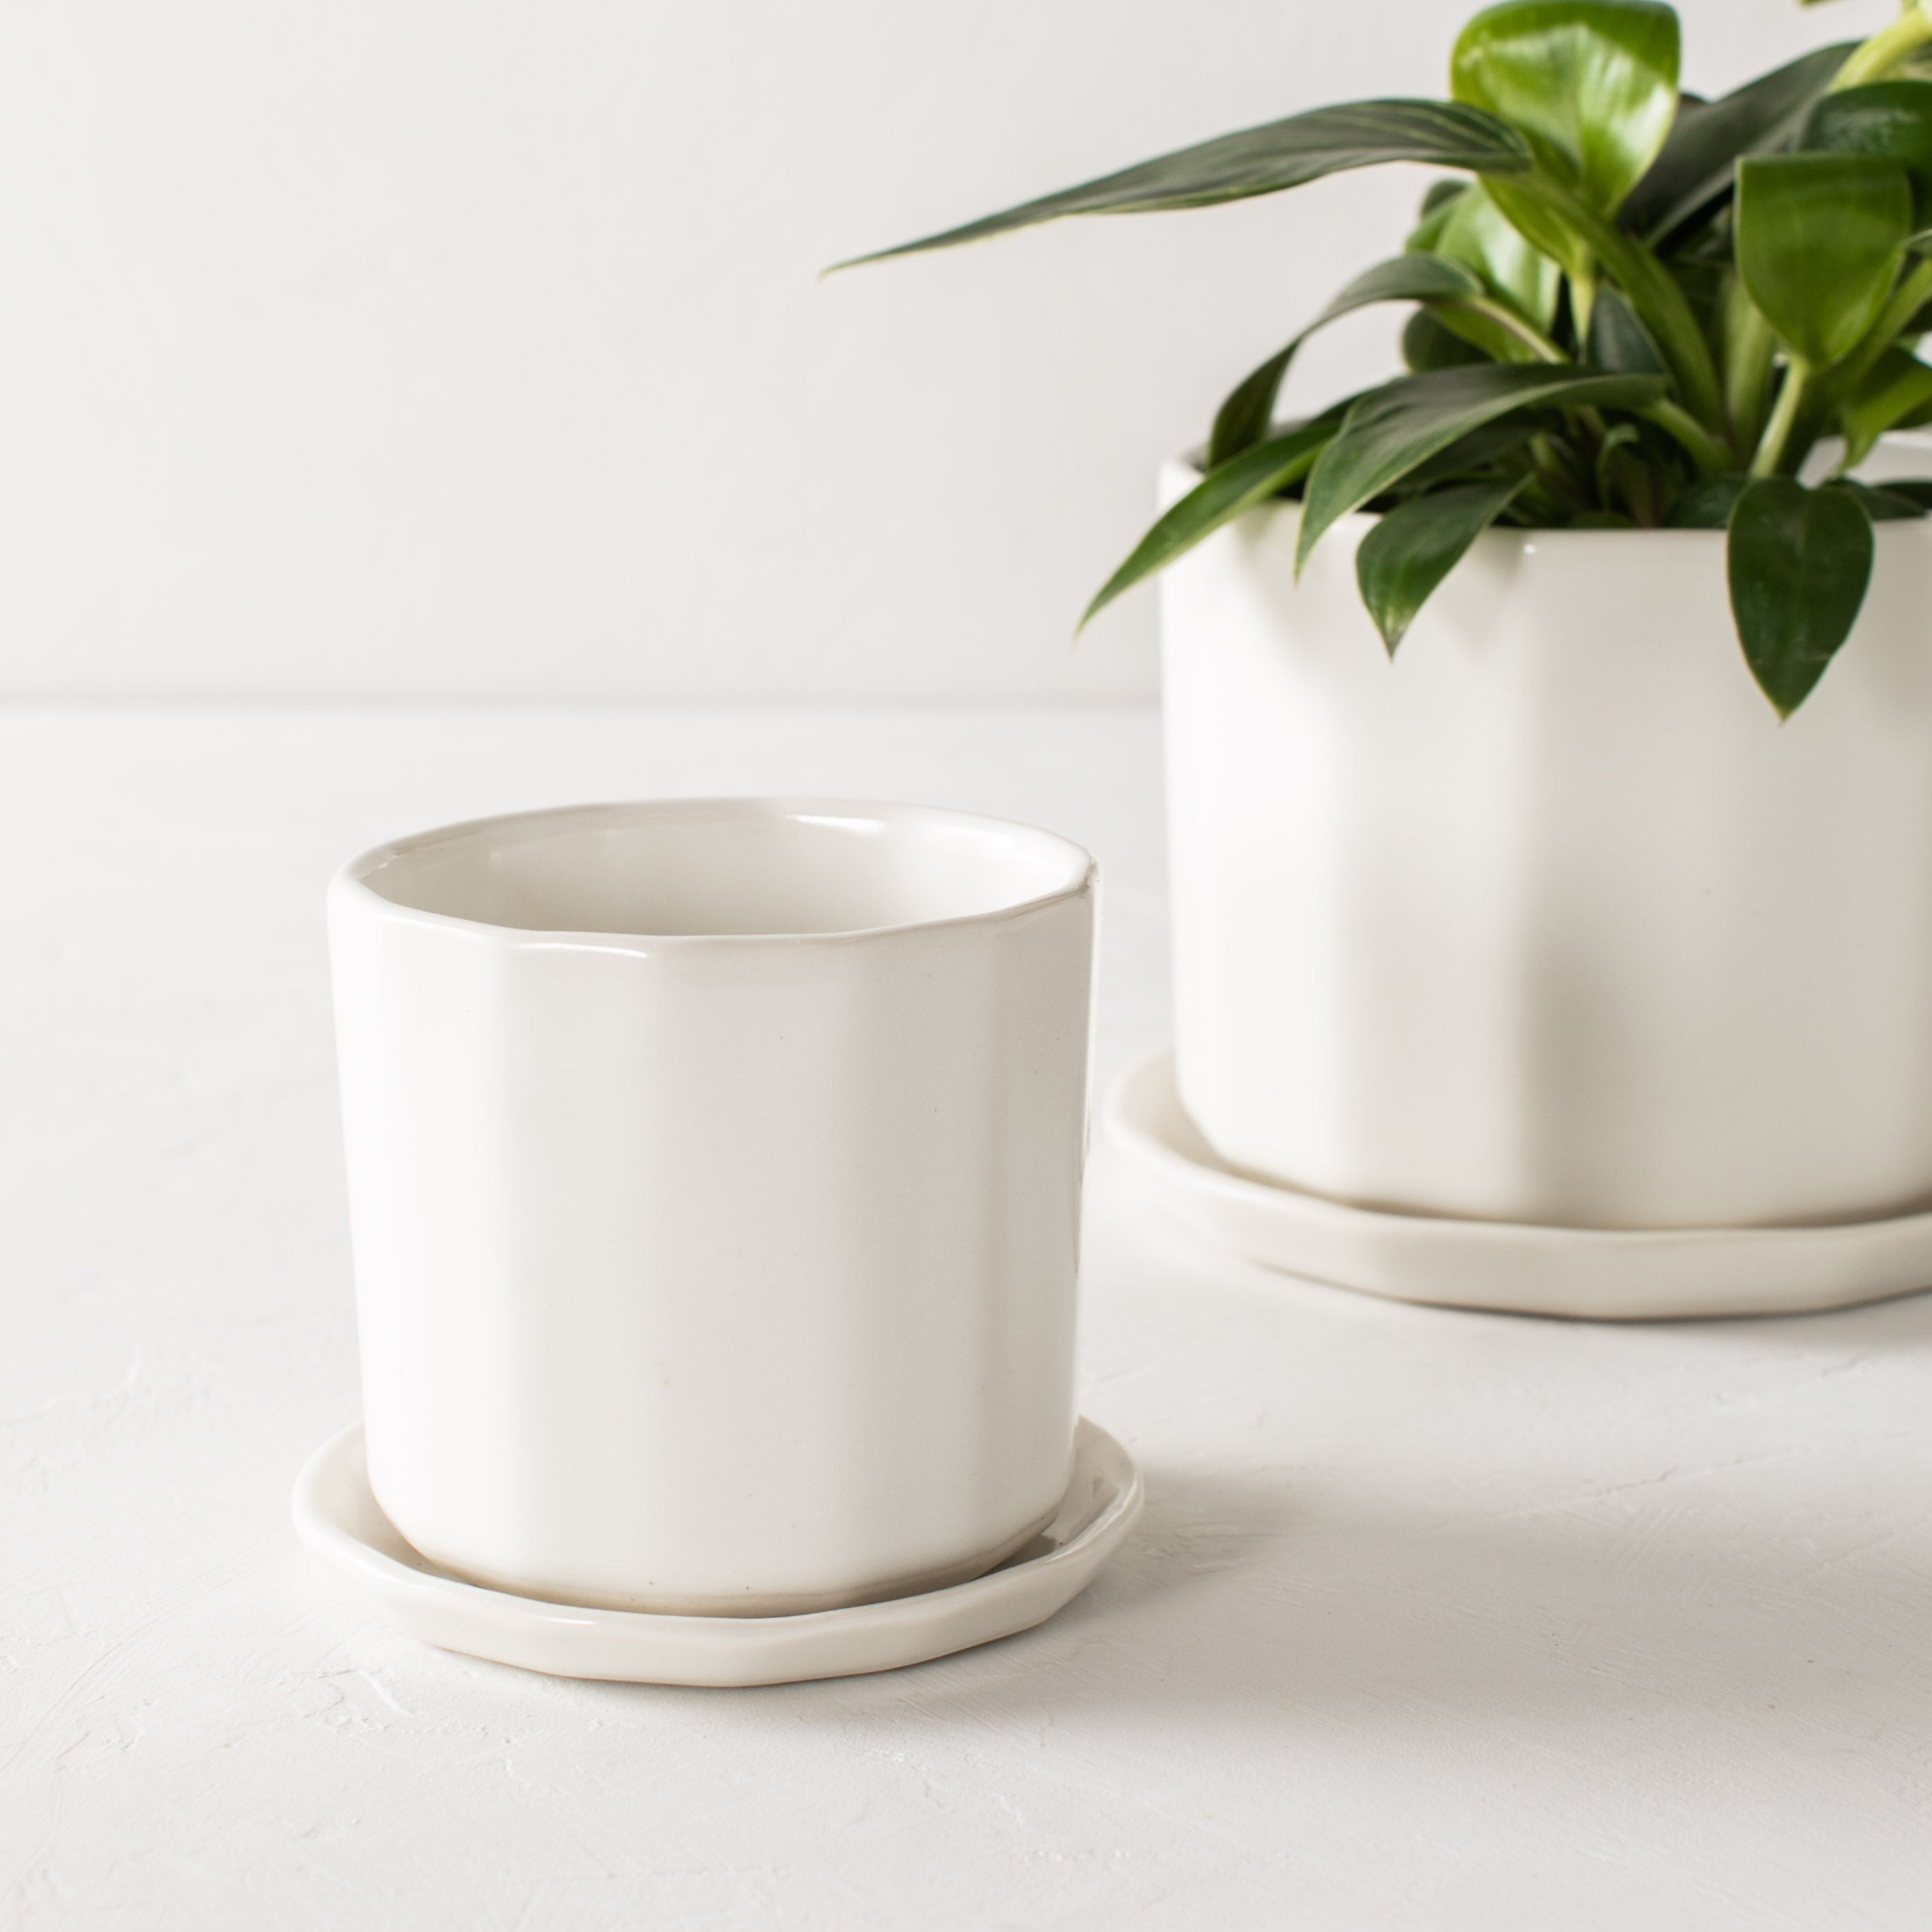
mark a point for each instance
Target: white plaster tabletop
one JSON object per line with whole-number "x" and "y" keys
{"x": 1435, "y": 1619}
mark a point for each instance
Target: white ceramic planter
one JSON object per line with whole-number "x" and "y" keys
{"x": 714, "y": 1182}
{"x": 1550, "y": 920}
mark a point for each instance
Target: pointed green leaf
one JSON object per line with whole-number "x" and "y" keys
{"x": 1593, "y": 86}
{"x": 1914, "y": 489}
{"x": 1466, "y": 458}
{"x": 1262, "y": 160}
{"x": 1475, "y": 232}
{"x": 1389, "y": 430}
{"x": 1494, "y": 340}
{"x": 1820, "y": 238}
{"x": 1243, "y": 420}
{"x": 1619, "y": 341}
{"x": 1707, "y": 506}
{"x": 1661, "y": 304}
{"x": 1427, "y": 344}
{"x": 1411, "y": 277}
{"x": 1892, "y": 119}
{"x": 1411, "y": 551}
{"x": 1799, "y": 562}
{"x": 1220, "y": 496}
{"x": 1694, "y": 169}
{"x": 1883, "y": 505}
{"x": 1898, "y": 387}
{"x": 1442, "y": 195}
{"x": 1652, "y": 291}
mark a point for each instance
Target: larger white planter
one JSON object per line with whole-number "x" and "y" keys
{"x": 1550, "y": 920}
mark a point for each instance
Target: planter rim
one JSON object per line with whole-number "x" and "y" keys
{"x": 352, "y": 883}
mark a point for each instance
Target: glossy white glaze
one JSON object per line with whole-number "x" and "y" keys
{"x": 714, "y": 1178}
{"x": 1600, "y": 1273}
{"x": 1550, "y": 920}
{"x": 338, "y": 1517}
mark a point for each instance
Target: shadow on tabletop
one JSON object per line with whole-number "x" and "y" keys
{"x": 1250, "y": 1602}
{"x": 1267, "y": 1597}
{"x": 1239, "y": 1600}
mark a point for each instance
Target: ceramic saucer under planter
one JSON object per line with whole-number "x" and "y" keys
{"x": 1602, "y": 1273}
{"x": 338, "y": 1517}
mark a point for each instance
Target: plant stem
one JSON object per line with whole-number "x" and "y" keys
{"x": 1914, "y": 290}
{"x": 1711, "y": 457}
{"x": 1639, "y": 488}
{"x": 1771, "y": 449}
{"x": 1554, "y": 473}
{"x": 1835, "y": 384}
{"x": 1660, "y": 303}
{"x": 1887, "y": 49}
{"x": 1582, "y": 301}
{"x": 1748, "y": 346}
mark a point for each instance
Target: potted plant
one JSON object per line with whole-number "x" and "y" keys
{"x": 1573, "y": 914}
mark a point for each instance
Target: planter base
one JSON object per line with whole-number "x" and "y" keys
{"x": 1596, "y": 1274}
{"x": 338, "y": 1516}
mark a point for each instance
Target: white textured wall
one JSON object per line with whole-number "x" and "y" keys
{"x": 409, "y": 346}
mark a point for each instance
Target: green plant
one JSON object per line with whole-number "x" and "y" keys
{"x": 1636, "y": 308}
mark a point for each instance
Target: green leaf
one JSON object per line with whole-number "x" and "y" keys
{"x": 1707, "y": 506}
{"x": 1389, "y": 430}
{"x": 1694, "y": 169}
{"x": 1609, "y": 472}
{"x": 1820, "y": 238}
{"x": 1468, "y": 456}
{"x": 1220, "y": 496}
{"x": 1442, "y": 195}
{"x": 1892, "y": 118}
{"x": 1799, "y": 562}
{"x": 1914, "y": 489}
{"x": 1653, "y": 293}
{"x": 1243, "y": 420}
{"x": 1427, "y": 344}
{"x": 1493, "y": 338}
{"x": 1619, "y": 341}
{"x": 1593, "y": 86}
{"x": 1882, "y": 505}
{"x": 1263, "y": 160}
{"x": 1414, "y": 547}
{"x": 1475, "y": 231}
{"x": 1898, "y": 386}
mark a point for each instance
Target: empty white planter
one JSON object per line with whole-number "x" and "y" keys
{"x": 1550, "y": 920}
{"x": 715, "y": 1176}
